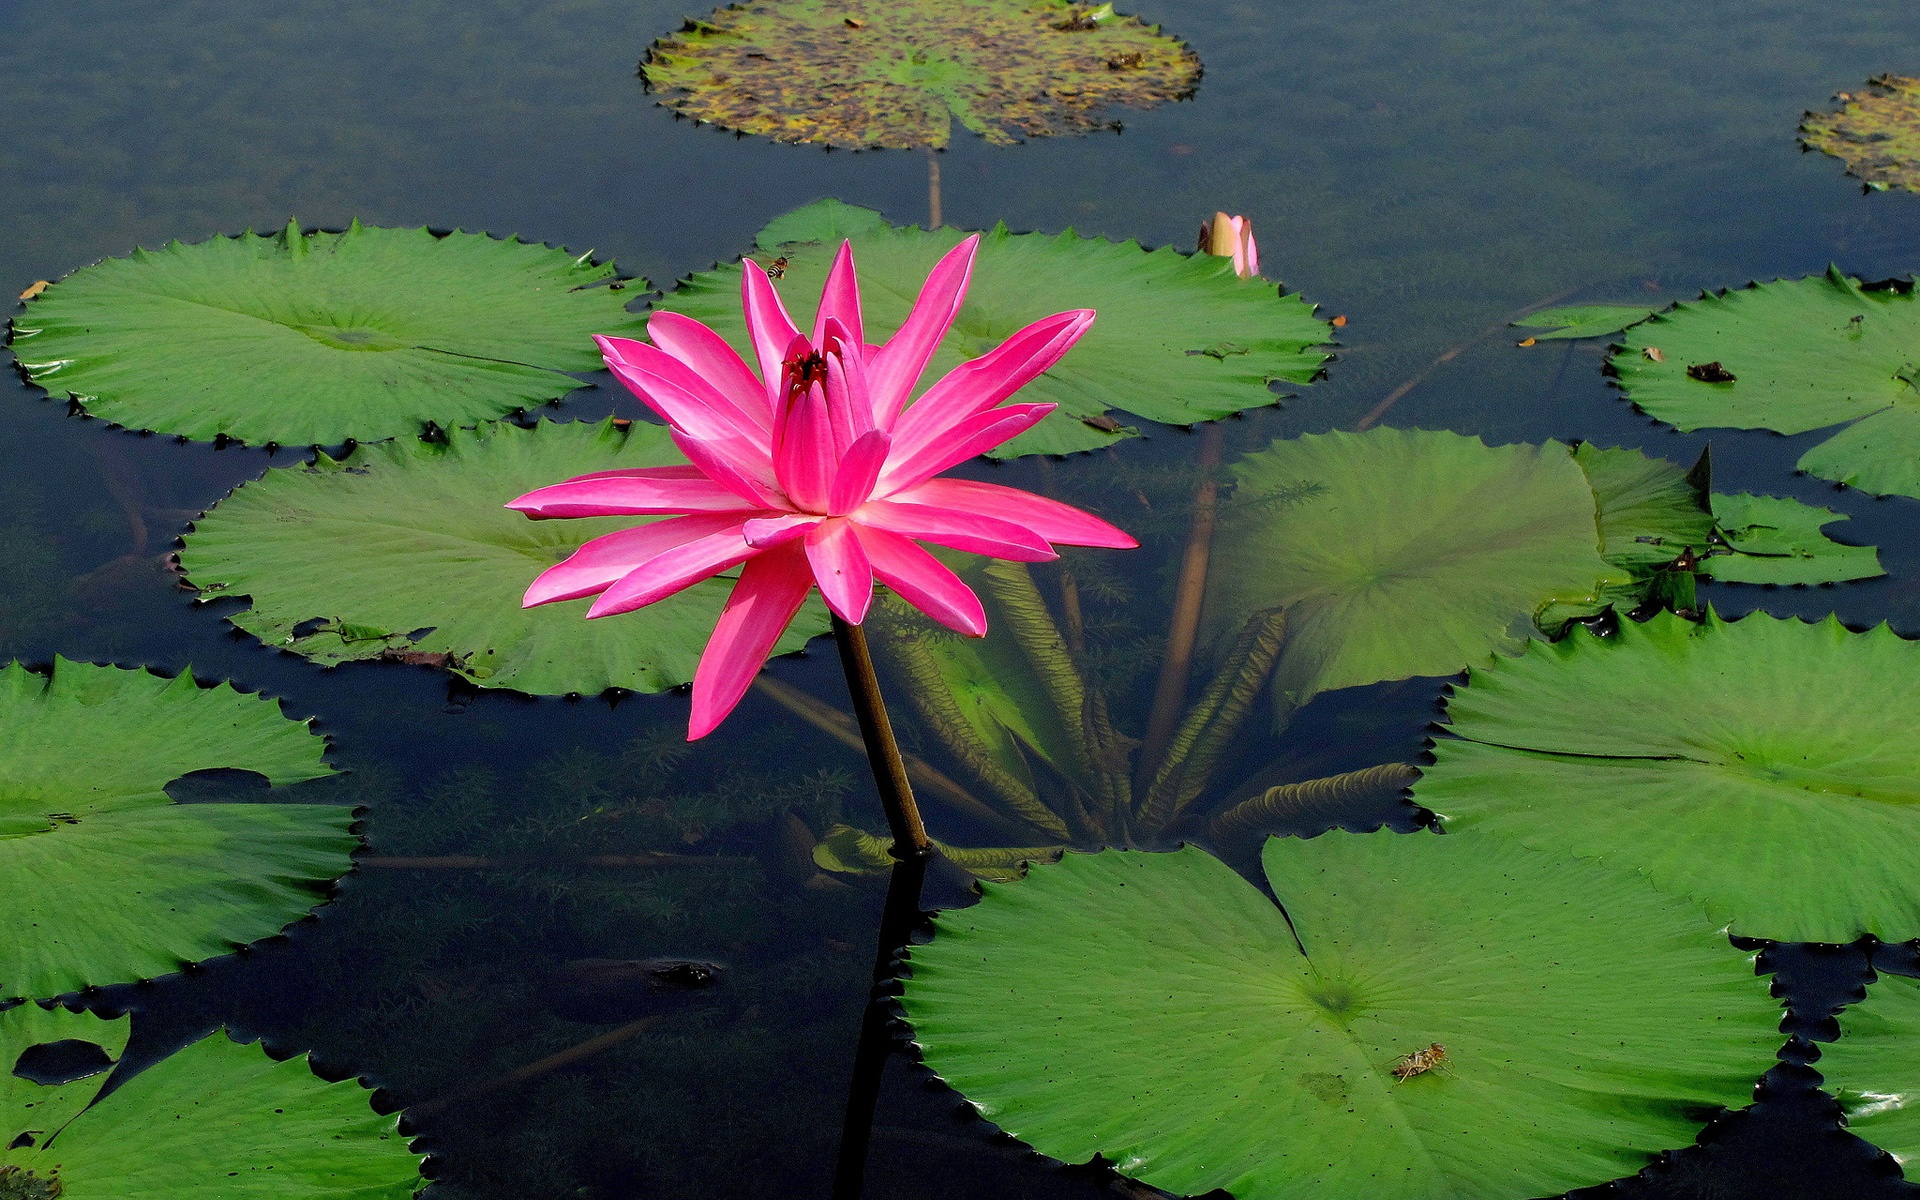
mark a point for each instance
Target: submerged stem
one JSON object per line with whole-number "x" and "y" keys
{"x": 1184, "y": 627}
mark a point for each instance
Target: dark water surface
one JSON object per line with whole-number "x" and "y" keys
{"x": 1426, "y": 167}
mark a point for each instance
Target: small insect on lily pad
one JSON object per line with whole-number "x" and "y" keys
{"x": 217, "y": 1120}
{"x": 1179, "y": 338}
{"x": 864, "y": 74}
{"x": 319, "y": 338}
{"x": 404, "y": 551}
{"x": 1792, "y": 356}
{"x": 1766, "y": 768}
{"x": 1583, "y": 320}
{"x": 108, "y": 880}
{"x": 1874, "y": 1069}
{"x": 1429, "y": 1017}
{"x": 1773, "y": 539}
{"x": 1876, "y": 132}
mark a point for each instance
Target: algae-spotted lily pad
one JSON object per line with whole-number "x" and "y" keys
{"x": 302, "y": 338}
{"x": 864, "y": 73}
{"x": 1402, "y": 552}
{"x": 1156, "y": 1009}
{"x": 215, "y": 1121}
{"x": 1876, "y": 132}
{"x": 1583, "y": 320}
{"x": 404, "y": 551}
{"x": 1767, "y": 768}
{"x": 1792, "y": 356}
{"x": 106, "y": 879}
{"x": 1773, "y": 539}
{"x": 1179, "y": 338}
{"x": 1874, "y": 1069}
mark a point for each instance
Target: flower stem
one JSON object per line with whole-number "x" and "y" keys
{"x": 912, "y": 850}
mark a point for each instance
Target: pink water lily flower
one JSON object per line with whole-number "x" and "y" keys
{"x": 816, "y": 471}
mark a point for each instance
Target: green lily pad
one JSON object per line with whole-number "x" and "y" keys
{"x": 1791, "y": 356}
{"x": 312, "y": 338}
{"x": 861, "y": 74}
{"x": 1156, "y": 1009}
{"x": 216, "y": 1121}
{"x": 1772, "y": 539}
{"x": 1403, "y": 552}
{"x": 1179, "y": 338}
{"x": 107, "y": 879}
{"x": 1876, "y": 133}
{"x": 403, "y": 551}
{"x": 1874, "y": 1069}
{"x": 1584, "y": 320}
{"x": 1764, "y": 767}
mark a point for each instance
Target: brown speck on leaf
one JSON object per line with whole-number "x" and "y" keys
{"x": 416, "y": 658}
{"x": 1711, "y": 372}
{"x": 854, "y": 23}
{"x": 1102, "y": 422}
{"x": 39, "y": 285}
{"x": 1653, "y": 354}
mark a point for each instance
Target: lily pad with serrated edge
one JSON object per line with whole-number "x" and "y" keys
{"x": 217, "y": 1120}
{"x": 106, "y": 879}
{"x": 1876, "y": 132}
{"x": 1803, "y": 354}
{"x": 403, "y": 550}
{"x": 1773, "y": 539}
{"x": 1874, "y": 1069}
{"x": 1156, "y": 1009}
{"x": 865, "y": 74}
{"x": 1583, "y": 320}
{"x": 320, "y": 338}
{"x": 1764, "y": 767}
{"x": 1179, "y": 338}
{"x": 1400, "y": 552}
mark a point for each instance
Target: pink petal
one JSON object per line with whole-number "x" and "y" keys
{"x": 980, "y": 383}
{"x": 708, "y": 355}
{"x": 673, "y": 571}
{"x": 765, "y": 532}
{"x": 748, "y": 483}
{"x": 631, "y": 361}
{"x": 967, "y": 531}
{"x": 897, "y": 367}
{"x": 923, "y": 581}
{"x": 859, "y": 470}
{"x": 771, "y": 589}
{"x": 623, "y": 496}
{"x": 976, "y": 435}
{"x": 849, "y": 395}
{"x": 840, "y": 299}
{"x": 803, "y": 457}
{"x": 597, "y": 564}
{"x": 685, "y": 410}
{"x": 1246, "y": 255}
{"x": 841, "y": 569}
{"x": 768, "y": 325}
{"x": 675, "y": 472}
{"x": 1061, "y": 524}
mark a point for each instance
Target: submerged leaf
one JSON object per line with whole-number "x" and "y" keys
{"x": 319, "y": 338}
{"x": 106, "y": 879}
{"x": 405, "y": 549}
{"x": 1876, "y": 133}
{"x": 216, "y": 1121}
{"x": 1764, "y": 767}
{"x": 1772, "y": 539}
{"x": 864, "y": 74}
{"x": 1157, "y": 1010}
{"x": 1792, "y": 356}
{"x": 1584, "y": 320}
{"x": 1147, "y": 353}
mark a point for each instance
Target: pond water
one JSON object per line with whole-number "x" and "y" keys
{"x": 1427, "y": 169}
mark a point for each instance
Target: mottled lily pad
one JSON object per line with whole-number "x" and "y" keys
{"x": 1401, "y": 552}
{"x": 1764, "y": 767}
{"x": 1874, "y": 1069}
{"x": 1876, "y": 132}
{"x": 403, "y": 551}
{"x": 319, "y": 338}
{"x": 216, "y": 1121}
{"x": 1583, "y": 320}
{"x": 865, "y": 74}
{"x": 1159, "y": 1010}
{"x": 106, "y": 879}
{"x": 1791, "y": 356}
{"x": 1773, "y": 539}
{"x": 1179, "y": 338}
